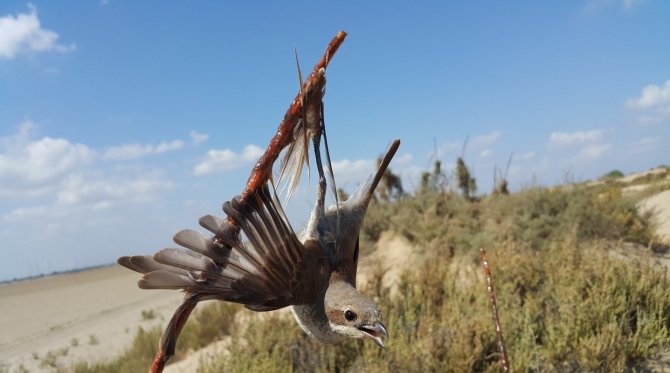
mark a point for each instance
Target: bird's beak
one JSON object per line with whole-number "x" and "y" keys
{"x": 375, "y": 331}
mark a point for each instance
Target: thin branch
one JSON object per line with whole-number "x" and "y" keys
{"x": 492, "y": 296}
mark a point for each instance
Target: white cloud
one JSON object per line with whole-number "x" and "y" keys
{"x": 485, "y": 153}
{"x": 133, "y": 151}
{"x": 79, "y": 189}
{"x": 651, "y": 96}
{"x": 477, "y": 143}
{"x": 594, "y": 151}
{"x": 483, "y": 141}
{"x": 53, "y": 177}
{"x": 350, "y": 174}
{"x": 23, "y": 34}
{"x": 168, "y": 146}
{"x": 448, "y": 148}
{"x": 58, "y": 191}
{"x": 565, "y": 139}
{"x": 31, "y": 167}
{"x": 404, "y": 159}
{"x": 357, "y": 171}
{"x": 654, "y": 102}
{"x": 81, "y": 193}
{"x": 226, "y": 160}
{"x": 198, "y": 138}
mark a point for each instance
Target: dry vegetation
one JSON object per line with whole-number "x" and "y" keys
{"x": 565, "y": 303}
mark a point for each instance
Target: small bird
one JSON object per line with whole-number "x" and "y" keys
{"x": 314, "y": 273}
{"x": 255, "y": 258}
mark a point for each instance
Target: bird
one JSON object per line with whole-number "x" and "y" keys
{"x": 314, "y": 273}
{"x": 254, "y": 257}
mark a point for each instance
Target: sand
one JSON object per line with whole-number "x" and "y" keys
{"x": 87, "y": 316}
{"x": 659, "y": 205}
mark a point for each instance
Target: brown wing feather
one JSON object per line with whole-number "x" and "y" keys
{"x": 272, "y": 270}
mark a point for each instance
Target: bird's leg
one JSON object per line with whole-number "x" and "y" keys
{"x": 322, "y": 124}
{"x": 321, "y": 191}
{"x": 168, "y": 341}
{"x": 317, "y": 218}
{"x": 328, "y": 162}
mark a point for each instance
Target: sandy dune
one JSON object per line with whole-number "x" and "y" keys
{"x": 91, "y": 315}
{"x": 659, "y": 205}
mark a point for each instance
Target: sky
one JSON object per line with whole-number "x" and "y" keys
{"x": 122, "y": 122}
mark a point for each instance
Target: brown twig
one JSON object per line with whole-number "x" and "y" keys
{"x": 492, "y": 296}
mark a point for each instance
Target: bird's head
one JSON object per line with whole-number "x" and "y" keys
{"x": 353, "y": 315}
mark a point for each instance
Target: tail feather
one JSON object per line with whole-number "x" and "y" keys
{"x": 186, "y": 260}
{"x": 211, "y": 265}
{"x": 163, "y": 279}
{"x": 213, "y": 224}
{"x": 202, "y": 266}
{"x": 202, "y": 244}
{"x": 224, "y": 231}
{"x": 143, "y": 264}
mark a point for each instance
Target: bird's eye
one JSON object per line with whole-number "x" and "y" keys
{"x": 350, "y": 315}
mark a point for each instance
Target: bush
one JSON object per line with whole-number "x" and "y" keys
{"x": 614, "y": 174}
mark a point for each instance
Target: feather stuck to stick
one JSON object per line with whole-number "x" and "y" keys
{"x": 307, "y": 128}
{"x": 310, "y": 126}
{"x": 286, "y": 134}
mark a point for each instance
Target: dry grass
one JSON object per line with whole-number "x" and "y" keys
{"x": 565, "y": 304}
{"x": 209, "y": 323}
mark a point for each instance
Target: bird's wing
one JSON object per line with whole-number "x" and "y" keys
{"x": 350, "y": 215}
{"x": 270, "y": 269}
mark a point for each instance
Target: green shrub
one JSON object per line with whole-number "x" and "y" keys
{"x": 614, "y": 174}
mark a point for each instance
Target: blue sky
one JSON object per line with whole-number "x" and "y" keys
{"x": 122, "y": 122}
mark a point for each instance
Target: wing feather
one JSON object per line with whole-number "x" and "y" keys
{"x": 273, "y": 269}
